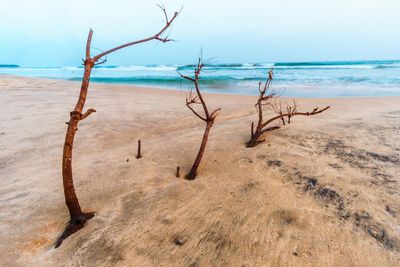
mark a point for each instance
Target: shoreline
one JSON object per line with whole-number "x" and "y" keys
{"x": 173, "y": 89}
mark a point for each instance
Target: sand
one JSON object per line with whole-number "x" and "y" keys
{"x": 323, "y": 191}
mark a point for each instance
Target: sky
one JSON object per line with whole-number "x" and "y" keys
{"x": 53, "y": 32}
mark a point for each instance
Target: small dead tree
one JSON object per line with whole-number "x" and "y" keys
{"x": 208, "y": 118}
{"x": 265, "y": 99}
{"x": 78, "y": 218}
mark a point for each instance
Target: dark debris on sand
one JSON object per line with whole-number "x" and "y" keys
{"x": 390, "y": 211}
{"x": 329, "y": 196}
{"x": 357, "y": 157}
{"x": 375, "y": 230}
{"x": 274, "y": 163}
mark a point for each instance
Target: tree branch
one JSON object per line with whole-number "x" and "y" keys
{"x": 87, "y": 113}
{"x": 154, "y": 37}
{"x": 164, "y": 11}
{"x": 101, "y": 62}
{"x": 195, "y": 80}
{"x": 88, "y": 43}
{"x": 214, "y": 113}
{"x": 203, "y": 103}
{"x": 195, "y": 112}
{"x": 186, "y": 77}
{"x": 270, "y": 129}
{"x": 294, "y": 114}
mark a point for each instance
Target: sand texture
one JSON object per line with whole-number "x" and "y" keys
{"x": 323, "y": 191}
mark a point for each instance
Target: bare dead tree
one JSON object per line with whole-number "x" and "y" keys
{"x": 265, "y": 99}
{"x": 208, "y": 118}
{"x": 78, "y": 218}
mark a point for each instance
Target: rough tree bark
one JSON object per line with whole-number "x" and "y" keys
{"x": 78, "y": 218}
{"x": 208, "y": 117}
{"x": 264, "y": 99}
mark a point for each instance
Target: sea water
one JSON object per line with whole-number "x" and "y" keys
{"x": 296, "y": 79}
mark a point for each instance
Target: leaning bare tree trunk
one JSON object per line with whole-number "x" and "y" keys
{"x": 78, "y": 218}
{"x": 193, "y": 171}
{"x": 208, "y": 118}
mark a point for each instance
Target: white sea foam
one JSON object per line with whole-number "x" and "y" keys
{"x": 327, "y": 67}
{"x": 236, "y": 78}
{"x": 138, "y": 68}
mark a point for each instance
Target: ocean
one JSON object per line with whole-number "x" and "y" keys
{"x": 296, "y": 79}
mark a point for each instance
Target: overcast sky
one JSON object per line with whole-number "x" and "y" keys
{"x": 53, "y": 32}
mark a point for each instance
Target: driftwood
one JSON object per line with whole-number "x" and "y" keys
{"x": 139, "y": 150}
{"x": 265, "y": 99}
{"x": 77, "y": 217}
{"x": 208, "y": 118}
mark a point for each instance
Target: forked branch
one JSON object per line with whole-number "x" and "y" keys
{"x": 209, "y": 118}
{"x": 157, "y": 36}
{"x": 265, "y": 99}
{"x": 87, "y": 113}
{"x": 282, "y": 115}
{"x": 190, "y": 100}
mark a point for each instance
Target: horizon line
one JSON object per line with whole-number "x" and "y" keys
{"x": 13, "y": 65}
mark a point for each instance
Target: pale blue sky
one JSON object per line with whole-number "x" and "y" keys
{"x": 53, "y": 32}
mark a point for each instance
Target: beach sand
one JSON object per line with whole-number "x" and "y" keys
{"x": 323, "y": 191}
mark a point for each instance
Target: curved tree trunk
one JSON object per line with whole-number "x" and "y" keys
{"x": 193, "y": 171}
{"x": 77, "y": 217}
{"x": 69, "y": 190}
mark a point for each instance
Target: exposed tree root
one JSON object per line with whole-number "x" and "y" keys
{"x": 74, "y": 225}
